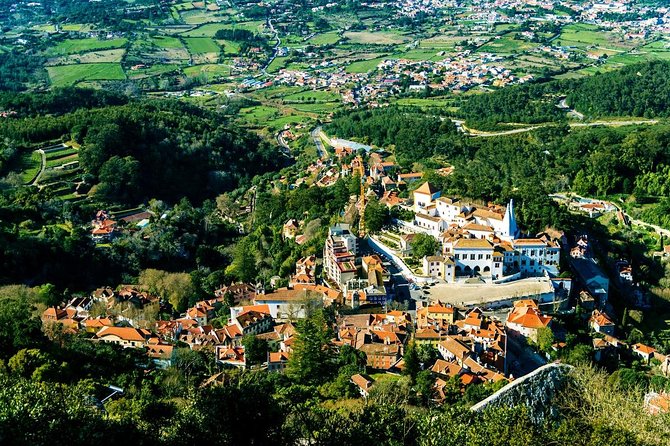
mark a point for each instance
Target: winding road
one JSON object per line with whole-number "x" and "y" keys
{"x": 460, "y": 125}
{"x": 275, "y": 49}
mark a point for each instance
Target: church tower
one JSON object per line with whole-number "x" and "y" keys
{"x": 510, "y": 230}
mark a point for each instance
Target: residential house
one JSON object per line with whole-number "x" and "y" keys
{"x": 363, "y": 383}
{"x": 644, "y": 351}
{"x": 253, "y": 322}
{"x": 439, "y": 267}
{"x": 339, "y": 254}
{"x": 53, "y": 314}
{"x": 231, "y": 356}
{"x": 526, "y": 319}
{"x": 160, "y": 354}
{"x": 381, "y": 356}
{"x": 600, "y": 322}
{"x": 291, "y": 229}
{"x": 123, "y": 336}
{"x": 453, "y": 349}
{"x": 436, "y": 315}
{"x": 94, "y": 325}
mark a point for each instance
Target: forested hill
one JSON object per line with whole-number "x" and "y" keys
{"x": 635, "y": 90}
{"x": 416, "y": 136}
{"x": 145, "y": 148}
{"x": 640, "y": 90}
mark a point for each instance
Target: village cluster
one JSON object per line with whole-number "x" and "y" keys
{"x": 472, "y": 346}
{"x": 479, "y": 248}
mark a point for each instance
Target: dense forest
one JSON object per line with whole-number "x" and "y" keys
{"x": 530, "y": 104}
{"x": 146, "y": 149}
{"x": 173, "y": 158}
{"x": 639, "y": 90}
{"x": 18, "y": 69}
{"x": 416, "y": 136}
{"x": 635, "y": 90}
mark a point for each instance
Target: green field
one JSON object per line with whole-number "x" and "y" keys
{"x": 210, "y": 29}
{"x": 197, "y": 17}
{"x": 277, "y": 64}
{"x": 318, "y": 108}
{"x": 259, "y": 113}
{"x": 71, "y": 74}
{"x": 166, "y": 42}
{"x": 153, "y": 70}
{"x": 210, "y": 71}
{"x": 584, "y": 35}
{"x": 201, "y": 45}
{"x": 230, "y": 47}
{"x": 363, "y": 66}
{"x": 51, "y": 163}
{"x": 419, "y": 54}
{"x": 315, "y": 95}
{"x": 325, "y": 38}
{"x": 61, "y": 153}
{"x": 507, "y": 45}
{"x": 72, "y": 46}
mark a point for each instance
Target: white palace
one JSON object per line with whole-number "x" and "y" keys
{"x": 478, "y": 240}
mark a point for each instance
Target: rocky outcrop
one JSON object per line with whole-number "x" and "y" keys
{"x": 536, "y": 390}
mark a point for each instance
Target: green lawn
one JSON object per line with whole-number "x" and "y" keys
{"x": 259, "y": 113}
{"x": 72, "y": 46}
{"x": 201, "y": 45}
{"x": 320, "y": 108}
{"x": 229, "y": 47}
{"x": 152, "y": 71}
{"x": 584, "y": 35}
{"x": 427, "y": 102}
{"x": 419, "y": 54}
{"x": 61, "y": 153}
{"x": 60, "y": 161}
{"x": 71, "y": 74}
{"x": 507, "y": 45}
{"x": 277, "y": 64}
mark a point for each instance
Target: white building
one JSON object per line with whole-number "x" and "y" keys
{"x": 424, "y": 199}
{"x": 339, "y": 254}
{"x": 477, "y": 256}
{"x": 439, "y": 267}
{"x": 535, "y": 256}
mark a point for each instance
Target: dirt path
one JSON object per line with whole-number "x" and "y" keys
{"x": 483, "y": 134}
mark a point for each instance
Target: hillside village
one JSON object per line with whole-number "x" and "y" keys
{"x": 384, "y": 301}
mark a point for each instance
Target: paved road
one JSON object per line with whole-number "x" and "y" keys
{"x": 521, "y": 359}
{"x": 571, "y": 111}
{"x": 275, "y": 49}
{"x": 283, "y": 145}
{"x": 320, "y": 149}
